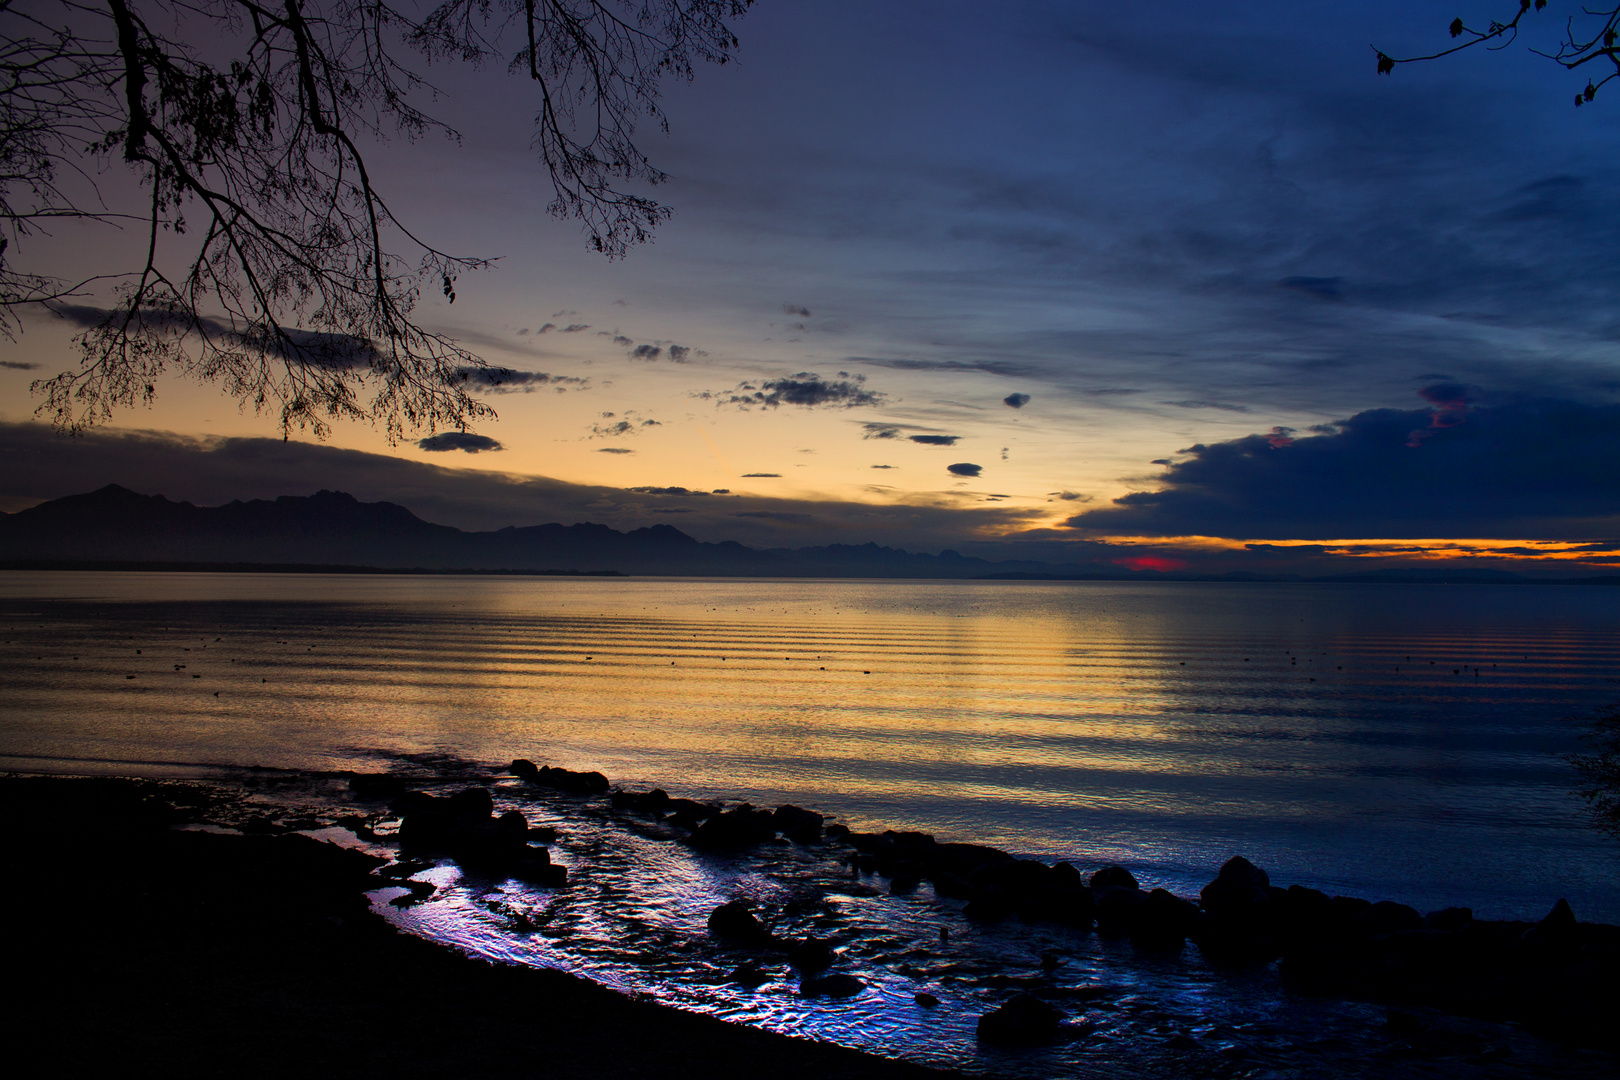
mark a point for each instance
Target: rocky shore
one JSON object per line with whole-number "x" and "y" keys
{"x": 135, "y": 949}
{"x": 187, "y": 952}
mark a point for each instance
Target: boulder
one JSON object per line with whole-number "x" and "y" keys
{"x": 749, "y": 973}
{"x": 1452, "y": 920}
{"x": 567, "y": 780}
{"x": 797, "y": 824}
{"x": 743, "y": 827}
{"x": 1163, "y": 921}
{"x": 735, "y": 920}
{"x": 1239, "y": 891}
{"x": 1026, "y": 1020}
{"x": 810, "y": 955}
{"x": 1388, "y": 917}
{"x": 1113, "y": 877}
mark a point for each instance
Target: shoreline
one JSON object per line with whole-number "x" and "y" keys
{"x": 151, "y": 951}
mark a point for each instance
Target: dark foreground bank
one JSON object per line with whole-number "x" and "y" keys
{"x": 139, "y": 950}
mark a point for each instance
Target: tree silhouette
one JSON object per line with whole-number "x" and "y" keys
{"x": 1600, "y": 770}
{"x": 273, "y": 265}
{"x": 1590, "y": 37}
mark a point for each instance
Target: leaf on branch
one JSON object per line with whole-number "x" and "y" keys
{"x": 1456, "y": 27}
{"x": 1385, "y": 64}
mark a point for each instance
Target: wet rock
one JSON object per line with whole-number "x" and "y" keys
{"x": 1066, "y": 876}
{"x": 376, "y": 785}
{"x": 1117, "y": 908}
{"x": 473, "y": 802}
{"x": 904, "y": 883}
{"x": 538, "y": 869}
{"x": 1113, "y": 877}
{"x": 1163, "y": 921}
{"x": 925, "y": 999}
{"x": 1026, "y": 1020}
{"x": 837, "y": 832}
{"x": 1388, "y": 917}
{"x": 743, "y": 827}
{"x": 832, "y": 986}
{"x": 1559, "y": 931}
{"x": 1237, "y": 891}
{"x": 654, "y": 803}
{"x": 735, "y": 920}
{"x": 797, "y": 824}
{"x": 810, "y": 955}
{"x": 1453, "y": 920}
{"x": 567, "y": 780}
{"x": 523, "y": 768}
{"x": 749, "y": 973}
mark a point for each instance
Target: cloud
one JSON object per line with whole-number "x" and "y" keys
{"x": 883, "y": 466}
{"x": 630, "y": 424}
{"x": 935, "y": 440}
{"x": 13, "y": 365}
{"x": 762, "y": 475}
{"x": 1016, "y": 401}
{"x": 498, "y": 380}
{"x": 1070, "y": 496}
{"x": 458, "y": 440}
{"x": 614, "y": 450}
{"x": 1007, "y": 368}
{"x": 645, "y": 352}
{"x": 806, "y": 389}
{"x": 574, "y": 328}
{"x": 1207, "y": 405}
{"x": 1533, "y": 468}
{"x": 679, "y": 353}
{"x": 796, "y": 309}
{"x": 681, "y": 491}
{"x": 964, "y": 469}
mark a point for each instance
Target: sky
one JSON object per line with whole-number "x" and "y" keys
{"x": 1178, "y": 285}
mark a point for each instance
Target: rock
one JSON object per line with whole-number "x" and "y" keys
{"x": 810, "y": 955}
{"x": 749, "y": 973}
{"x": 523, "y": 768}
{"x": 1452, "y": 920}
{"x": 1163, "y": 921}
{"x": 831, "y": 986}
{"x": 654, "y": 802}
{"x": 734, "y": 920}
{"x": 1558, "y": 931}
{"x": 1388, "y": 917}
{"x": 904, "y": 883}
{"x": 743, "y": 827}
{"x": 473, "y": 802}
{"x": 837, "y": 832}
{"x": 513, "y": 824}
{"x": 1238, "y": 891}
{"x": 376, "y": 785}
{"x": 1066, "y": 876}
{"x": 1026, "y": 1020}
{"x": 1113, "y": 877}
{"x": 574, "y": 783}
{"x": 1117, "y": 909}
{"x": 537, "y": 869}
{"x": 925, "y": 999}
{"x": 799, "y": 825}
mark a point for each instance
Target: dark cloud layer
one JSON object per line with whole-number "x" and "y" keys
{"x": 935, "y": 440}
{"x": 1016, "y": 401}
{"x": 964, "y": 468}
{"x": 458, "y": 440}
{"x": 1525, "y": 469}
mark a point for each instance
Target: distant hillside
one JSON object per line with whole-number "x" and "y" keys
{"x": 335, "y": 532}
{"x": 331, "y": 529}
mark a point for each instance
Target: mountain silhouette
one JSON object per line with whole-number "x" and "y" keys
{"x": 116, "y": 525}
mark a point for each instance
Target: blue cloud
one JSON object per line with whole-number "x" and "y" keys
{"x": 1524, "y": 469}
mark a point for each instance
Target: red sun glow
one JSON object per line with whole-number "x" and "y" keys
{"x": 1151, "y": 562}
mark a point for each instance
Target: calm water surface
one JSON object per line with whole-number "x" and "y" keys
{"x": 1392, "y": 742}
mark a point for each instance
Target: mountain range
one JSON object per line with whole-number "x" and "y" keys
{"x": 331, "y": 530}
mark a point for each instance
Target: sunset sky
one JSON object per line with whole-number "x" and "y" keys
{"x": 964, "y": 275}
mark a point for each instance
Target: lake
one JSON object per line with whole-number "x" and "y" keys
{"x": 1397, "y": 742}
